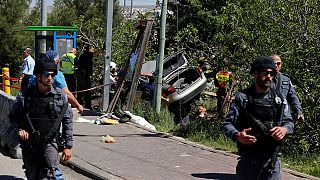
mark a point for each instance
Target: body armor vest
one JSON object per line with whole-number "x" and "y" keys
{"x": 261, "y": 114}
{"x": 42, "y": 114}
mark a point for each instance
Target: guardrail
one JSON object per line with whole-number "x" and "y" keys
{"x": 6, "y": 81}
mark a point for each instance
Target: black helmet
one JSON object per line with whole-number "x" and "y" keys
{"x": 45, "y": 65}
{"x": 264, "y": 62}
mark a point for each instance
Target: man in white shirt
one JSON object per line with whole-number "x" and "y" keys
{"x": 27, "y": 67}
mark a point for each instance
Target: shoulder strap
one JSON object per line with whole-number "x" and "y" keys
{"x": 248, "y": 93}
{"x": 69, "y": 59}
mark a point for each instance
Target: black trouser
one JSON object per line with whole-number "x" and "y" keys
{"x": 71, "y": 82}
{"x": 41, "y": 164}
{"x": 84, "y": 83}
{"x": 221, "y": 94}
{"x": 258, "y": 167}
{"x": 25, "y": 81}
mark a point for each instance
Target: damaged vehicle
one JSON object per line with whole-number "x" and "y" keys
{"x": 181, "y": 82}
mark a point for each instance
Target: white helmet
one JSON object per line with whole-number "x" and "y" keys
{"x": 113, "y": 65}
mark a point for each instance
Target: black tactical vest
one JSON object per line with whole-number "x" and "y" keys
{"x": 261, "y": 114}
{"x": 41, "y": 111}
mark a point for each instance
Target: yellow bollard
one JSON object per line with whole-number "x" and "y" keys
{"x": 6, "y": 80}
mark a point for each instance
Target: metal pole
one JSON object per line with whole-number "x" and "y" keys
{"x": 43, "y": 46}
{"x": 131, "y": 9}
{"x": 106, "y": 89}
{"x": 161, "y": 56}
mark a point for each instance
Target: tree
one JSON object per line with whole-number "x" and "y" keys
{"x": 12, "y": 16}
{"x": 243, "y": 30}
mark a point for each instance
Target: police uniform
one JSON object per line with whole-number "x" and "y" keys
{"x": 258, "y": 153}
{"x": 283, "y": 83}
{"x": 261, "y": 112}
{"x": 39, "y": 115}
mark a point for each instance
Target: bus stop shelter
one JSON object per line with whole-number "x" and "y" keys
{"x": 57, "y": 38}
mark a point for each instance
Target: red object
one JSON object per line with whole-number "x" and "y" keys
{"x": 200, "y": 70}
{"x": 170, "y": 90}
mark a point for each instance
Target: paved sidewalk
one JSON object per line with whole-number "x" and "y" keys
{"x": 142, "y": 154}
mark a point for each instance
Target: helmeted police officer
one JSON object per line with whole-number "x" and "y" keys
{"x": 282, "y": 83}
{"x": 39, "y": 113}
{"x": 258, "y": 120}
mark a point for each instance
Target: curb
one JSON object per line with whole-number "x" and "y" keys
{"x": 182, "y": 140}
{"x": 90, "y": 171}
{"x": 93, "y": 172}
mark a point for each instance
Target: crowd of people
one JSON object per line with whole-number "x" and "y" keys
{"x": 259, "y": 117}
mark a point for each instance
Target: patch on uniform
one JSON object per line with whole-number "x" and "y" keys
{"x": 285, "y": 82}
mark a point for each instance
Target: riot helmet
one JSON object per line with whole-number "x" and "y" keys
{"x": 264, "y": 62}
{"x": 45, "y": 65}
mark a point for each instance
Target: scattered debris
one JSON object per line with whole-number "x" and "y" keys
{"x": 107, "y": 121}
{"x": 141, "y": 121}
{"x": 108, "y": 139}
{"x": 83, "y": 120}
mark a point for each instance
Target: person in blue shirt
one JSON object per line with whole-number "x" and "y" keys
{"x": 59, "y": 81}
{"x": 148, "y": 89}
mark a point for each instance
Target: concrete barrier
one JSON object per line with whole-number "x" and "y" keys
{"x": 8, "y": 134}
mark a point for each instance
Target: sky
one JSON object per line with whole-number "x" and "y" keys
{"x": 128, "y": 2}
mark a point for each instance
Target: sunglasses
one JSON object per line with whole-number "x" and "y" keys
{"x": 266, "y": 73}
{"x": 278, "y": 63}
{"x": 47, "y": 74}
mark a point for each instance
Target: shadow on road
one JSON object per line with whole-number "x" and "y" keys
{"x": 7, "y": 177}
{"x": 221, "y": 176}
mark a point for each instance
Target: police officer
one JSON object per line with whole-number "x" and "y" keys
{"x": 282, "y": 83}
{"x": 258, "y": 121}
{"x": 39, "y": 113}
{"x": 59, "y": 81}
{"x": 68, "y": 65}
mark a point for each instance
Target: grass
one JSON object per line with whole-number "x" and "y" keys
{"x": 209, "y": 133}
{"x": 305, "y": 163}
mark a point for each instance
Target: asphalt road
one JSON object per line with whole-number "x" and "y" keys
{"x": 12, "y": 169}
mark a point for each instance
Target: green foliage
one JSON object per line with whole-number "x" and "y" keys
{"x": 162, "y": 121}
{"x": 307, "y": 163}
{"x": 90, "y": 16}
{"x": 12, "y": 15}
{"x": 206, "y": 132}
{"x": 243, "y": 30}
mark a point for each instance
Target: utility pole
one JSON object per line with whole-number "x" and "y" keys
{"x": 109, "y": 17}
{"x": 131, "y": 9}
{"x": 43, "y": 46}
{"x": 161, "y": 56}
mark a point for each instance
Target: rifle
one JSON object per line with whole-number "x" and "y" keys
{"x": 37, "y": 144}
{"x": 260, "y": 126}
